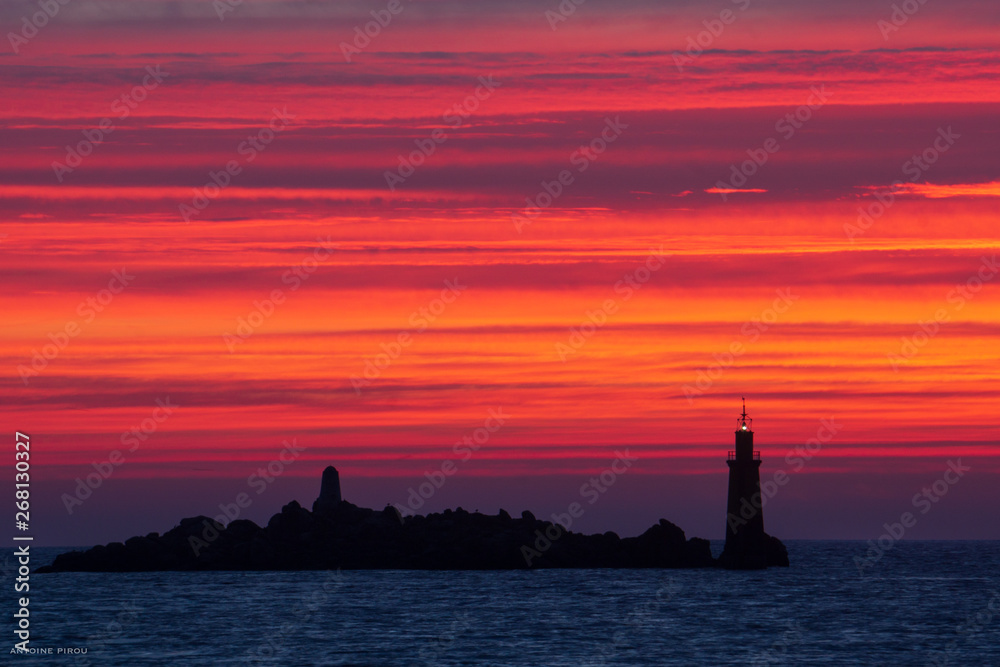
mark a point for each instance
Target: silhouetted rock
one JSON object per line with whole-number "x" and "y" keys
{"x": 329, "y": 491}
{"x": 338, "y": 534}
{"x": 352, "y": 537}
{"x": 774, "y": 553}
{"x": 777, "y": 554}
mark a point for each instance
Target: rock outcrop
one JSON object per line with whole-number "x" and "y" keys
{"x": 350, "y": 537}
{"x": 329, "y": 491}
{"x": 338, "y": 534}
{"x": 773, "y": 553}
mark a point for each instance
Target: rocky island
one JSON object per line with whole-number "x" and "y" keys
{"x": 338, "y": 534}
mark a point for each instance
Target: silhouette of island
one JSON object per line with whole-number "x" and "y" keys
{"x": 338, "y": 534}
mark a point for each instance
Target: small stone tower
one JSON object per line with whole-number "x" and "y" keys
{"x": 329, "y": 492}
{"x": 746, "y": 543}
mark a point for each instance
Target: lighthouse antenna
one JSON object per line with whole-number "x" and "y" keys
{"x": 741, "y": 421}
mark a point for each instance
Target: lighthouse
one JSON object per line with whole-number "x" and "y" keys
{"x": 746, "y": 543}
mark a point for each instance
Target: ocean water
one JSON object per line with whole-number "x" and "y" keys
{"x": 922, "y": 603}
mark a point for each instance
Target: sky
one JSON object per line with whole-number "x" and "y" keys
{"x": 474, "y": 253}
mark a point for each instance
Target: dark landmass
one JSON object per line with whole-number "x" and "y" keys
{"x": 338, "y": 534}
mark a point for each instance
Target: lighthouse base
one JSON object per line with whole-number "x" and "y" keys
{"x": 754, "y": 553}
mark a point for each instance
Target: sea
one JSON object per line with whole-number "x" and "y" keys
{"x": 840, "y": 603}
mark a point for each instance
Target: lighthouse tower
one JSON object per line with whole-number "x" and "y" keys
{"x": 746, "y": 542}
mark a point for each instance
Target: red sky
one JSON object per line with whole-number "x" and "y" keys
{"x": 917, "y": 104}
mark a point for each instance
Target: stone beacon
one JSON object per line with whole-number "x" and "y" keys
{"x": 329, "y": 491}
{"x": 747, "y": 545}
